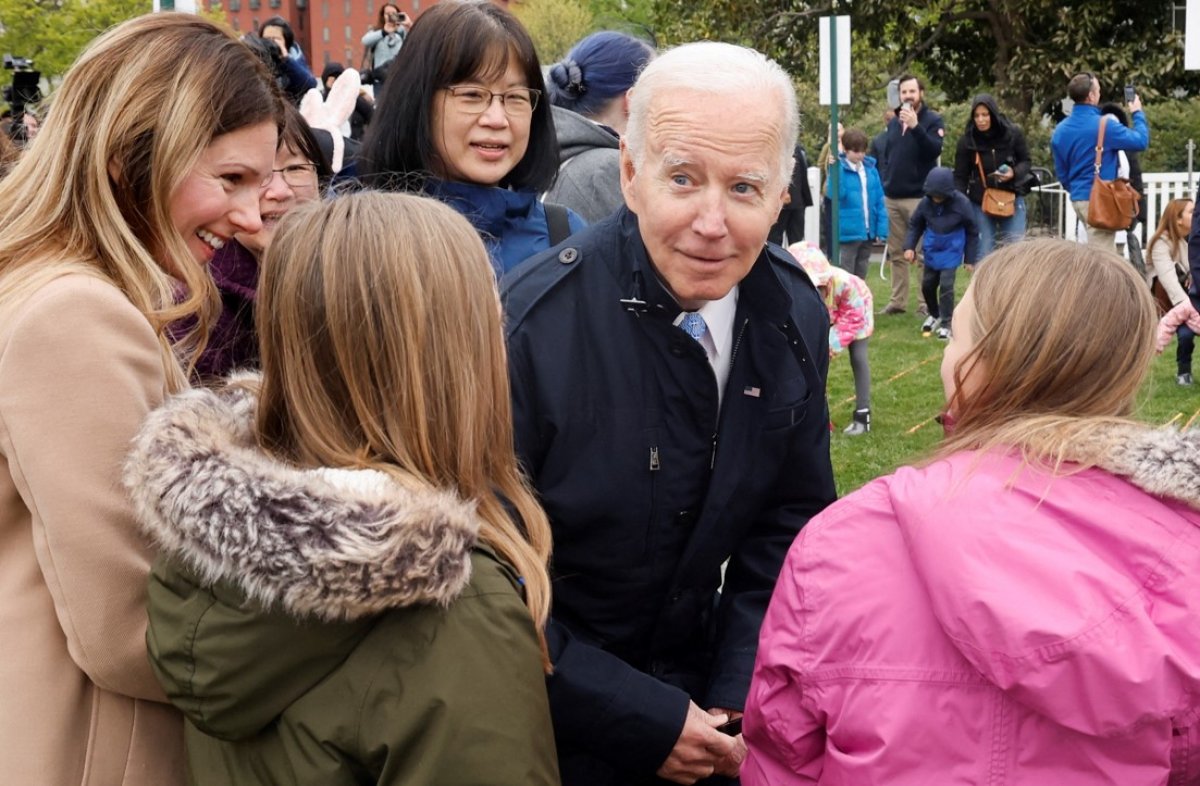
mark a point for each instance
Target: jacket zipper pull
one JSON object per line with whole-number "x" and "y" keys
{"x": 712, "y": 461}
{"x": 654, "y": 463}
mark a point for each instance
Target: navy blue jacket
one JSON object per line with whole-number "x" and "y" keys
{"x": 951, "y": 234}
{"x": 649, "y": 490}
{"x": 908, "y": 156}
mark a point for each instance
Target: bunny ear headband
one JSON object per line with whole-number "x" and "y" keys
{"x": 331, "y": 112}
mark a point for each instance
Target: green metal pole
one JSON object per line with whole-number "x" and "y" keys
{"x": 835, "y": 176}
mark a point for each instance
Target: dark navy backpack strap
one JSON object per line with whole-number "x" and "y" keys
{"x": 558, "y": 222}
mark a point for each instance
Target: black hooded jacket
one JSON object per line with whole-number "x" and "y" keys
{"x": 1003, "y": 143}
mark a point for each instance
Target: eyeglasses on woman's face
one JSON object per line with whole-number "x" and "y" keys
{"x": 475, "y": 99}
{"x": 296, "y": 175}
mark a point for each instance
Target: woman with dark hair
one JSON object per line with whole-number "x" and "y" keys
{"x": 992, "y": 154}
{"x": 291, "y": 75}
{"x": 590, "y": 112}
{"x": 279, "y": 32}
{"x": 461, "y": 119}
{"x": 299, "y": 174}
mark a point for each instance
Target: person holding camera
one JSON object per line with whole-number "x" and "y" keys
{"x": 1074, "y": 147}
{"x": 992, "y": 156}
{"x": 382, "y": 42}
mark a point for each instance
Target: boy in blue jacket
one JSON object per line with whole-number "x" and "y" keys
{"x": 862, "y": 216}
{"x": 947, "y": 220}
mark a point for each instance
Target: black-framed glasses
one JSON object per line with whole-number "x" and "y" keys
{"x": 474, "y": 100}
{"x": 296, "y": 175}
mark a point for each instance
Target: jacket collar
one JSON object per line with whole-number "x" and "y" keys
{"x": 330, "y": 543}
{"x": 490, "y": 209}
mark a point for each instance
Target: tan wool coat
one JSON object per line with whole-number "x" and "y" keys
{"x": 79, "y": 370}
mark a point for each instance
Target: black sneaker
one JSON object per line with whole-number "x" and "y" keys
{"x": 1184, "y": 379}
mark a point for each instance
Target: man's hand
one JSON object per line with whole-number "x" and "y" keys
{"x": 731, "y": 765}
{"x": 1136, "y": 104}
{"x": 909, "y": 255}
{"x": 908, "y": 117}
{"x": 699, "y": 749}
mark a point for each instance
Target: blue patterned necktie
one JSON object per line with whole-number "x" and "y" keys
{"x": 693, "y": 325}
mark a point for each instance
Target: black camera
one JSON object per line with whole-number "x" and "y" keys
{"x": 24, "y": 90}
{"x": 17, "y": 63}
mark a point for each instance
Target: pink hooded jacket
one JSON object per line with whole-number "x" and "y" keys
{"x": 971, "y": 622}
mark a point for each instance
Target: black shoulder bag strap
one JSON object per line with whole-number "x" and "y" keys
{"x": 557, "y": 222}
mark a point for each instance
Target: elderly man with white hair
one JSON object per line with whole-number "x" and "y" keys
{"x": 668, "y": 377}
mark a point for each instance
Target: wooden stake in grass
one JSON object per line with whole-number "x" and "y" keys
{"x": 921, "y": 425}
{"x": 911, "y": 369}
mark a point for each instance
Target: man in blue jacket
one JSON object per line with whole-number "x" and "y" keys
{"x": 1074, "y": 148}
{"x": 913, "y": 145}
{"x": 668, "y": 375}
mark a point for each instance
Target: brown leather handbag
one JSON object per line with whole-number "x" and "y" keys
{"x": 1113, "y": 203}
{"x": 997, "y": 202}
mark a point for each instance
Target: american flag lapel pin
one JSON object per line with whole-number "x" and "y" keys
{"x": 751, "y": 391}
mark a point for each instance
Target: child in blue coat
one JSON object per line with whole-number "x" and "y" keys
{"x": 862, "y": 217}
{"x": 946, "y": 219}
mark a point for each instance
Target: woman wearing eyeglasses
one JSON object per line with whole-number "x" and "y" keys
{"x": 463, "y": 118}
{"x": 299, "y": 172}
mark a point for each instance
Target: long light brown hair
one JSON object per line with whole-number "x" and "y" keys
{"x": 1064, "y": 338}
{"x": 130, "y": 120}
{"x": 1168, "y": 227}
{"x": 382, "y": 348}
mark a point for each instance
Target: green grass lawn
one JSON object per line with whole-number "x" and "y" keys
{"x": 906, "y": 393}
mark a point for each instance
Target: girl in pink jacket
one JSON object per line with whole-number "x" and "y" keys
{"x": 851, "y": 323}
{"x": 1024, "y": 608}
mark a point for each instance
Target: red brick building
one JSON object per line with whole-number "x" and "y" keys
{"x": 325, "y": 29}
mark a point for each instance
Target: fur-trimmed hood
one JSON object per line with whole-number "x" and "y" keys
{"x": 334, "y": 544}
{"x": 1164, "y": 462}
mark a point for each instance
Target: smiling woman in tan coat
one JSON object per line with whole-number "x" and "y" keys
{"x": 151, "y": 157}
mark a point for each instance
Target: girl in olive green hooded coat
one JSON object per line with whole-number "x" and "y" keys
{"x": 345, "y": 595}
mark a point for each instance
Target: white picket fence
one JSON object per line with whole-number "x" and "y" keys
{"x": 1160, "y": 187}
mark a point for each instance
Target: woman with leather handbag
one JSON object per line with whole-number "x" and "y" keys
{"x": 992, "y": 167}
{"x": 1170, "y": 277}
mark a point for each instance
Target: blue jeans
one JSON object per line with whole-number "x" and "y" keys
{"x": 1007, "y": 230}
{"x": 1186, "y": 345}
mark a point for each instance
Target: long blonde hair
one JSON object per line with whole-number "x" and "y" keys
{"x": 382, "y": 347}
{"x": 92, "y": 194}
{"x": 1168, "y": 227}
{"x": 1064, "y": 338}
